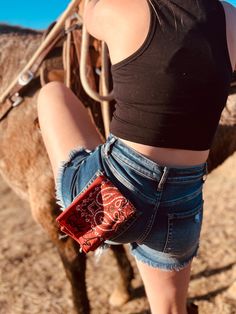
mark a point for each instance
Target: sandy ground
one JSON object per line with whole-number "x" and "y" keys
{"x": 33, "y": 281}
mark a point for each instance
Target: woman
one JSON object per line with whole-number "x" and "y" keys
{"x": 172, "y": 63}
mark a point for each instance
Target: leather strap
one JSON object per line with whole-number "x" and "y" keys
{"x": 25, "y": 78}
{"x": 17, "y": 99}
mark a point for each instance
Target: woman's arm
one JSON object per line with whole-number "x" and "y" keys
{"x": 99, "y": 17}
{"x": 230, "y": 15}
{"x": 122, "y": 24}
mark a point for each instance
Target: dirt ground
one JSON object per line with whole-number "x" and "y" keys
{"x": 32, "y": 279}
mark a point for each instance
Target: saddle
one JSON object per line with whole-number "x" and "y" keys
{"x": 60, "y": 61}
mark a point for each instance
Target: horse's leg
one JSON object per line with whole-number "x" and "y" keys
{"x": 75, "y": 267}
{"x": 44, "y": 211}
{"x": 122, "y": 292}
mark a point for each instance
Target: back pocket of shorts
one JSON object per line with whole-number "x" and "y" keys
{"x": 184, "y": 229}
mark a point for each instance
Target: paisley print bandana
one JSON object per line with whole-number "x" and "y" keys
{"x": 98, "y": 213}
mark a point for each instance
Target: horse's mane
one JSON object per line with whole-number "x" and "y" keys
{"x": 9, "y": 29}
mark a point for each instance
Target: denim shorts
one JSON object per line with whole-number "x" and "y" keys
{"x": 165, "y": 233}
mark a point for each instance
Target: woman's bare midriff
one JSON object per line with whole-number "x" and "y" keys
{"x": 170, "y": 156}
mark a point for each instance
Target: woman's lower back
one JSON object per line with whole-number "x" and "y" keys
{"x": 170, "y": 156}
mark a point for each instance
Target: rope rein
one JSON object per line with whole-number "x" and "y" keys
{"x": 63, "y": 27}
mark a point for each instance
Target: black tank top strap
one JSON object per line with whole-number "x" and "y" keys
{"x": 145, "y": 44}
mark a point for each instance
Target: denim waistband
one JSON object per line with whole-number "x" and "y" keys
{"x": 130, "y": 155}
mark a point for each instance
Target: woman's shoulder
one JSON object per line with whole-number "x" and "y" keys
{"x": 228, "y": 5}
{"x": 230, "y": 13}
{"x": 103, "y": 17}
{"x": 230, "y": 16}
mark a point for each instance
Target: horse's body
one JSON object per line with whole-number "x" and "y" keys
{"x": 25, "y": 166}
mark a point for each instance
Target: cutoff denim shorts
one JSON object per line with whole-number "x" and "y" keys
{"x": 168, "y": 200}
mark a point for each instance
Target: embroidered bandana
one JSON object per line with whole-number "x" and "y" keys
{"x": 96, "y": 214}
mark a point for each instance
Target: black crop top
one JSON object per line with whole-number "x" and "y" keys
{"x": 172, "y": 90}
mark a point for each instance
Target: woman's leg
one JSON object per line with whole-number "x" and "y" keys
{"x": 166, "y": 290}
{"x": 64, "y": 122}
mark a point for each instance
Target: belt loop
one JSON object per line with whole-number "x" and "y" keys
{"x": 163, "y": 178}
{"x": 109, "y": 143}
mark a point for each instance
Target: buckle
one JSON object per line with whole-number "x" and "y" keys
{"x": 73, "y": 27}
{"x": 25, "y": 78}
{"x": 16, "y": 100}
{"x": 78, "y": 25}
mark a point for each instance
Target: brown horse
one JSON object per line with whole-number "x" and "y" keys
{"x": 25, "y": 167}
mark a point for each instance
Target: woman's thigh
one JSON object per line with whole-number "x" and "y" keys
{"x": 65, "y": 123}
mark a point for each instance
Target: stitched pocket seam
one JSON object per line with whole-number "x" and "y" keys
{"x": 97, "y": 173}
{"x": 125, "y": 160}
{"x": 178, "y": 216}
{"x": 180, "y": 200}
{"x": 150, "y": 223}
{"x": 186, "y": 214}
{"x": 124, "y": 181}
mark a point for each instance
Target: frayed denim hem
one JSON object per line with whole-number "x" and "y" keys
{"x": 63, "y": 164}
{"x": 172, "y": 265}
{"x": 100, "y": 251}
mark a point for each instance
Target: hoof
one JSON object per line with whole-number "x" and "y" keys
{"x": 119, "y": 298}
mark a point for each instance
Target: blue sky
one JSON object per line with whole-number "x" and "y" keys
{"x": 35, "y": 14}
